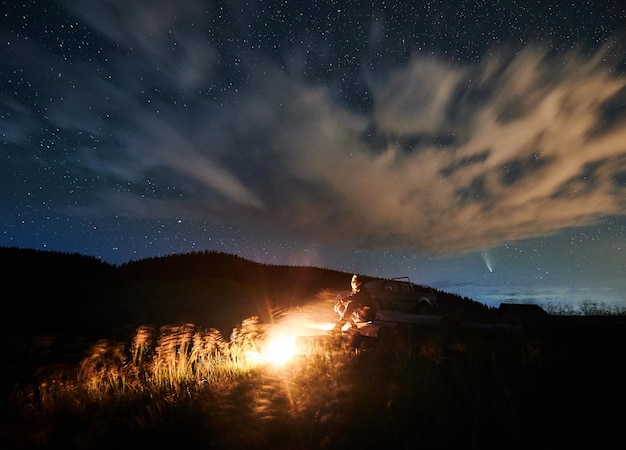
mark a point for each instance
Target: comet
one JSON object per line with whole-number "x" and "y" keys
{"x": 487, "y": 259}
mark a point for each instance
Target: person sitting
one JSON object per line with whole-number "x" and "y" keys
{"x": 356, "y": 307}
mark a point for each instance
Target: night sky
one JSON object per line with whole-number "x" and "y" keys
{"x": 476, "y": 147}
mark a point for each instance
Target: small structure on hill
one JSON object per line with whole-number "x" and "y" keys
{"x": 521, "y": 310}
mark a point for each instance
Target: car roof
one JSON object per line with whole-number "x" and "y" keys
{"x": 379, "y": 284}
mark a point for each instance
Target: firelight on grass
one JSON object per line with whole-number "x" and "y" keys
{"x": 281, "y": 340}
{"x": 280, "y": 345}
{"x": 280, "y": 349}
{"x": 326, "y": 326}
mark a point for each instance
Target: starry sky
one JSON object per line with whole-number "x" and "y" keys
{"x": 476, "y": 147}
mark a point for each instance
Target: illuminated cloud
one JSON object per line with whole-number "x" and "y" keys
{"x": 531, "y": 155}
{"x": 451, "y": 157}
{"x": 535, "y": 158}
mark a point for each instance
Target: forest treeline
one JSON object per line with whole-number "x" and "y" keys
{"x": 54, "y": 289}
{"x": 49, "y": 266}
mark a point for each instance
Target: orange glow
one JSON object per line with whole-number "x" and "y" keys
{"x": 280, "y": 349}
{"x": 280, "y": 343}
{"x": 321, "y": 326}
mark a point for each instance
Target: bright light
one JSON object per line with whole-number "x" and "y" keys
{"x": 321, "y": 326}
{"x": 280, "y": 349}
{"x": 283, "y": 339}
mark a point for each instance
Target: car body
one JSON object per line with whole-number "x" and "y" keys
{"x": 402, "y": 295}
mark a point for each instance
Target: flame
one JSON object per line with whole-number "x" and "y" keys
{"x": 280, "y": 343}
{"x": 280, "y": 349}
{"x": 321, "y": 326}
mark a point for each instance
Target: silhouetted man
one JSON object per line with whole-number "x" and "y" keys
{"x": 356, "y": 307}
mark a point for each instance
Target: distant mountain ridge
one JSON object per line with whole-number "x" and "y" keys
{"x": 74, "y": 290}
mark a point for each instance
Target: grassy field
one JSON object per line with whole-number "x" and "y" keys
{"x": 547, "y": 385}
{"x": 157, "y": 354}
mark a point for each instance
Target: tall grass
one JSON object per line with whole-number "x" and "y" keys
{"x": 188, "y": 387}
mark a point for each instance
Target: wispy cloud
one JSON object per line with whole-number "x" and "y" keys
{"x": 451, "y": 157}
{"x": 528, "y": 158}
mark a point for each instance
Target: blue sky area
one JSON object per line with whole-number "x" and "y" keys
{"x": 478, "y": 147}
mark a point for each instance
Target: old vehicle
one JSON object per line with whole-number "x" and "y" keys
{"x": 400, "y": 294}
{"x": 399, "y": 305}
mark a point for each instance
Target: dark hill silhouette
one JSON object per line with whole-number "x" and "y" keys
{"x": 71, "y": 293}
{"x": 44, "y": 287}
{"x": 46, "y": 266}
{"x": 211, "y": 264}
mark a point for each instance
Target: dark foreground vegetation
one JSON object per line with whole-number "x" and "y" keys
{"x": 119, "y": 362}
